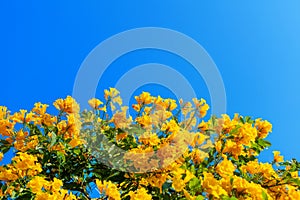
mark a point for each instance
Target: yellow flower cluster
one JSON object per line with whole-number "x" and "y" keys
{"x": 49, "y": 189}
{"x": 140, "y": 194}
{"x": 168, "y": 151}
{"x": 22, "y": 165}
{"x": 109, "y": 189}
{"x": 68, "y": 105}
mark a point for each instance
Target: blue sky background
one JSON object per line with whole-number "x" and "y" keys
{"x": 255, "y": 44}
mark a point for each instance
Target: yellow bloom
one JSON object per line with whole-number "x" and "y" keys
{"x": 263, "y": 127}
{"x": 1, "y": 156}
{"x": 145, "y": 121}
{"x": 140, "y": 194}
{"x": 76, "y": 141}
{"x": 170, "y": 126}
{"x": 265, "y": 169}
{"x": 213, "y": 186}
{"x": 136, "y": 107}
{"x": 225, "y": 168}
{"x": 36, "y": 184}
{"x": 111, "y": 93}
{"x": 198, "y": 156}
{"x": 277, "y": 157}
{"x": 177, "y": 183}
{"x": 157, "y": 180}
{"x": 8, "y": 174}
{"x": 201, "y": 106}
{"x": 95, "y": 103}
{"x": 170, "y": 104}
{"x": 26, "y": 164}
{"x": 23, "y": 116}
{"x": 203, "y": 126}
{"x": 246, "y": 134}
{"x": 120, "y": 119}
{"x": 121, "y": 136}
{"x": 39, "y": 108}
{"x": 6, "y": 127}
{"x": 43, "y": 196}
{"x": 56, "y": 184}
{"x": 186, "y": 107}
{"x": 109, "y": 188}
{"x": 68, "y": 105}
{"x": 149, "y": 139}
{"x": 3, "y": 112}
{"x": 144, "y": 98}
{"x": 233, "y": 148}
{"x": 198, "y": 139}
{"x": 117, "y": 100}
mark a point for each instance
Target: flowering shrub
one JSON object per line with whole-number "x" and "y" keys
{"x": 165, "y": 151}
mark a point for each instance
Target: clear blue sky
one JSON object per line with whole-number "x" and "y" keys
{"x": 255, "y": 45}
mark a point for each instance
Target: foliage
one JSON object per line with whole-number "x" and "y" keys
{"x": 166, "y": 151}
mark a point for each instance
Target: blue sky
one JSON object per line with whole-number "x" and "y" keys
{"x": 254, "y": 44}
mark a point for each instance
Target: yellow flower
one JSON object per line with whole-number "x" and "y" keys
{"x": 68, "y": 105}
{"x": 26, "y": 164}
{"x": 6, "y": 127}
{"x": 140, "y": 194}
{"x": 157, "y": 180}
{"x": 144, "y": 98}
{"x": 8, "y": 174}
{"x": 111, "y": 93}
{"x": 120, "y": 119}
{"x": 170, "y": 126}
{"x": 213, "y": 186}
{"x": 277, "y": 157}
{"x": 170, "y": 104}
{"x": 110, "y": 189}
{"x": 254, "y": 167}
{"x": 43, "y": 196}
{"x": 36, "y": 184}
{"x": 95, "y": 103}
{"x": 76, "y": 141}
{"x": 56, "y": 184}
{"x": 246, "y": 134}
{"x": 188, "y": 196}
{"x": 117, "y": 100}
{"x": 3, "y": 112}
{"x": 178, "y": 184}
{"x": 145, "y": 121}
{"x": 198, "y": 156}
{"x": 121, "y": 136}
{"x": 136, "y": 107}
{"x": 198, "y": 139}
{"x": 201, "y": 106}
{"x": 1, "y": 156}
{"x": 263, "y": 127}
{"x": 233, "y": 148}
{"x": 203, "y": 126}
{"x": 39, "y": 108}
{"x": 23, "y": 116}
{"x": 185, "y": 107}
{"x": 149, "y": 139}
{"x": 225, "y": 168}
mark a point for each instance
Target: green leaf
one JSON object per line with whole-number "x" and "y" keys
{"x": 53, "y": 139}
{"x": 228, "y": 198}
{"x": 61, "y": 156}
{"x": 296, "y": 181}
{"x": 264, "y": 195}
{"x": 199, "y": 198}
{"x": 194, "y": 185}
{"x": 77, "y": 151}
